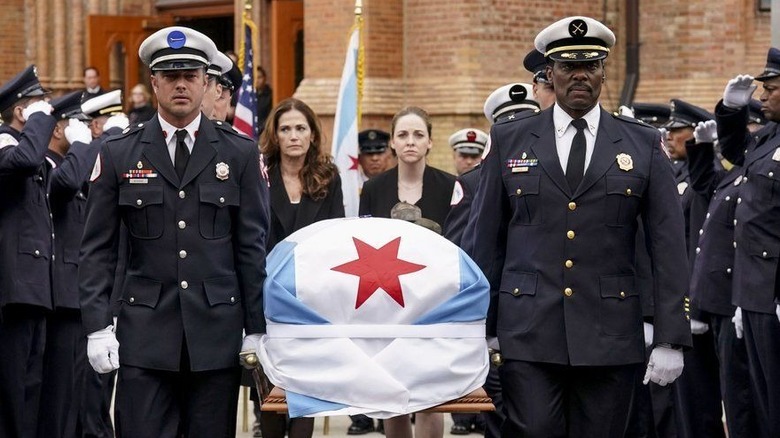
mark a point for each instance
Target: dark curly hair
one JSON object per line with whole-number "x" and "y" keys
{"x": 318, "y": 170}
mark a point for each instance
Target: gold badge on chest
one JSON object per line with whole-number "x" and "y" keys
{"x": 625, "y": 162}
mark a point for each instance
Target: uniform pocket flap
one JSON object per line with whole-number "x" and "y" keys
{"x": 222, "y": 290}
{"x": 518, "y": 283}
{"x": 219, "y": 194}
{"x": 522, "y": 185}
{"x": 35, "y": 248}
{"x": 626, "y": 185}
{"x": 140, "y": 196}
{"x": 618, "y": 286}
{"x": 141, "y": 291}
{"x": 764, "y": 250}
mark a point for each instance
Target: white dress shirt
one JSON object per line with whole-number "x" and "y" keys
{"x": 169, "y": 131}
{"x": 564, "y": 133}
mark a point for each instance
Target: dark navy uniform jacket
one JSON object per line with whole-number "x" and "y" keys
{"x": 757, "y": 230}
{"x": 713, "y": 266}
{"x": 566, "y": 290}
{"x": 26, "y": 246}
{"x": 455, "y": 224}
{"x": 196, "y": 259}
{"x": 68, "y": 176}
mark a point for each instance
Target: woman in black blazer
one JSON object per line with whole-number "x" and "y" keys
{"x": 305, "y": 188}
{"x": 413, "y": 180}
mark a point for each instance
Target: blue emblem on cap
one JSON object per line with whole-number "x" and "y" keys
{"x": 176, "y": 39}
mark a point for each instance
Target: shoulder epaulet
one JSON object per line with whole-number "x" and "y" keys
{"x": 632, "y": 120}
{"x": 130, "y": 130}
{"x": 517, "y": 116}
{"x": 227, "y": 127}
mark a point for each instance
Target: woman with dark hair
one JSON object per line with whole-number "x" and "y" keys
{"x": 305, "y": 188}
{"x": 415, "y": 182}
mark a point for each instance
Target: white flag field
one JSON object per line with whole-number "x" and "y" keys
{"x": 345, "y": 129}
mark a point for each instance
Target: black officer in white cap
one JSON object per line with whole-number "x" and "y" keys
{"x": 756, "y": 236}
{"x": 536, "y": 63}
{"x": 26, "y": 248}
{"x": 555, "y": 218}
{"x": 509, "y": 99}
{"x": 188, "y": 190}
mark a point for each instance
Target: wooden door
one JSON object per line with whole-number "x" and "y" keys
{"x": 286, "y": 47}
{"x": 112, "y": 47}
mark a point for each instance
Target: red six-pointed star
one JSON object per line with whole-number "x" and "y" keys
{"x": 378, "y": 268}
{"x": 355, "y": 162}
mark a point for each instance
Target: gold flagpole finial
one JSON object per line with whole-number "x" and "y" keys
{"x": 358, "y": 7}
{"x": 248, "y": 5}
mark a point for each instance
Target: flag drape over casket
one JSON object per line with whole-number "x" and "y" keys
{"x": 375, "y": 316}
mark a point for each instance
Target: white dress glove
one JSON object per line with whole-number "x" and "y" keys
{"x": 698, "y": 327}
{"x": 492, "y": 342}
{"x": 664, "y": 366}
{"x": 77, "y": 131}
{"x": 737, "y": 320}
{"x": 777, "y": 312}
{"x": 103, "y": 350}
{"x": 40, "y": 106}
{"x": 251, "y": 344}
{"x": 116, "y": 121}
{"x": 739, "y": 91}
{"x": 648, "y": 334}
{"x": 706, "y": 132}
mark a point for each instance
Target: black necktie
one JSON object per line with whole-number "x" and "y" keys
{"x": 182, "y": 154}
{"x": 576, "y": 165}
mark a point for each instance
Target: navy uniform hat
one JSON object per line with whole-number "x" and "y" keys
{"x": 535, "y": 63}
{"x": 232, "y": 79}
{"x": 373, "y": 141}
{"x": 575, "y": 39}
{"x": 509, "y": 98}
{"x": 177, "y": 48}
{"x": 755, "y": 115}
{"x": 469, "y": 141}
{"x": 656, "y": 114}
{"x": 220, "y": 63}
{"x": 686, "y": 115}
{"x": 106, "y": 104}
{"x": 772, "y": 68}
{"x": 68, "y": 107}
{"x": 25, "y": 84}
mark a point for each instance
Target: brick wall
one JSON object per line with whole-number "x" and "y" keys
{"x": 13, "y": 45}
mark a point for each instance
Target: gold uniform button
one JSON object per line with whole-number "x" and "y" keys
{"x": 516, "y": 291}
{"x": 568, "y": 292}
{"x": 570, "y": 234}
{"x": 622, "y": 294}
{"x": 518, "y": 191}
{"x": 572, "y": 206}
{"x": 182, "y": 225}
{"x": 569, "y": 263}
{"x": 182, "y": 194}
{"x": 628, "y": 192}
{"x": 184, "y": 285}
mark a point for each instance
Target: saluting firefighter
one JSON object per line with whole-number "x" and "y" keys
{"x": 189, "y": 191}
{"x": 26, "y": 250}
{"x": 559, "y": 196}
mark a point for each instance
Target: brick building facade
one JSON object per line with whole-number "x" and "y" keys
{"x": 443, "y": 55}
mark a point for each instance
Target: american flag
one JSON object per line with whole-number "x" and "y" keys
{"x": 245, "y": 119}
